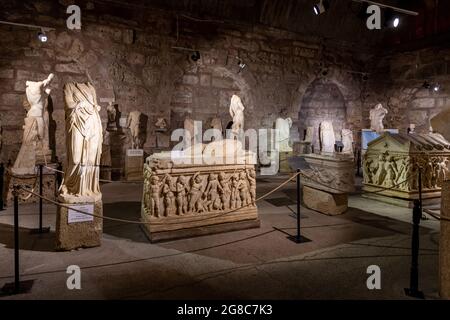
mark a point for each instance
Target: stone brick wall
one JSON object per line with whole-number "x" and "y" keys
{"x": 398, "y": 83}
{"x": 133, "y": 62}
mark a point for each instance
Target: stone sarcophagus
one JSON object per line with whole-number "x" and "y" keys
{"x": 391, "y": 167}
{"x": 191, "y": 198}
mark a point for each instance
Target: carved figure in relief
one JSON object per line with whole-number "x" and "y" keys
{"x": 225, "y": 190}
{"x": 428, "y": 175}
{"x": 156, "y": 186}
{"x": 244, "y": 189}
{"x": 212, "y": 191}
{"x": 182, "y": 188}
{"x": 235, "y": 199}
{"x": 251, "y": 176}
{"x": 380, "y": 171}
{"x": 169, "y": 201}
{"x": 367, "y": 168}
{"x": 443, "y": 169}
{"x": 196, "y": 193}
{"x": 389, "y": 168}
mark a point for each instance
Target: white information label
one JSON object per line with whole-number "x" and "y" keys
{"x": 75, "y": 216}
{"x": 135, "y": 152}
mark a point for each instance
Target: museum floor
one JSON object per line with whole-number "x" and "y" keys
{"x": 251, "y": 264}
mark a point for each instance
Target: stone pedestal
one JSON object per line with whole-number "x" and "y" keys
{"x": 105, "y": 173}
{"x": 444, "y": 243}
{"x": 76, "y": 230}
{"x": 325, "y": 202}
{"x": 284, "y": 164}
{"x": 134, "y": 165}
{"x": 31, "y": 182}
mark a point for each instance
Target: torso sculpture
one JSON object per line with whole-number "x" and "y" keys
{"x": 84, "y": 141}
{"x": 377, "y": 115}
{"x": 284, "y": 127}
{"x": 133, "y": 123}
{"x": 237, "y": 113}
{"x": 35, "y": 136}
{"x": 327, "y": 138}
{"x": 347, "y": 141}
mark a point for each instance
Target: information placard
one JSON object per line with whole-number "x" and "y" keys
{"x": 75, "y": 216}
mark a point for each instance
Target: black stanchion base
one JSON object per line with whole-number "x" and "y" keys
{"x": 414, "y": 293}
{"x": 299, "y": 240}
{"x": 24, "y": 287}
{"x": 40, "y": 231}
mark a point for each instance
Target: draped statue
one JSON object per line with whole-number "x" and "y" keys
{"x": 237, "y": 113}
{"x": 83, "y": 141}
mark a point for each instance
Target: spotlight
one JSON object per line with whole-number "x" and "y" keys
{"x": 42, "y": 36}
{"x": 436, "y": 87}
{"x": 321, "y": 7}
{"x": 391, "y": 20}
{"x": 195, "y": 56}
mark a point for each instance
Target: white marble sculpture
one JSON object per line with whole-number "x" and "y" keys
{"x": 283, "y": 127}
{"x": 237, "y": 113}
{"x": 347, "y": 141}
{"x": 83, "y": 143}
{"x": 133, "y": 123}
{"x": 35, "y": 135}
{"x": 327, "y": 138}
{"x": 377, "y": 115}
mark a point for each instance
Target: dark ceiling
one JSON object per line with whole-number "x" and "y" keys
{"x": 344, "y": 21}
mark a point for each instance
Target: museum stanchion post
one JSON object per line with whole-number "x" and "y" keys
{"x": 41, "y": 194}
{"x": 17, "y": 286}
{"x": 413, "y": 290}
{"x": 2, "y": 175}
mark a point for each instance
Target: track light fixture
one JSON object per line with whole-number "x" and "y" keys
{"x": 195, "y": 56}
{"x": 432, "y": 86}
{"x": 391, "y": 19}
{"x": 321, "y": 7}
{"x": 42, "y": 36}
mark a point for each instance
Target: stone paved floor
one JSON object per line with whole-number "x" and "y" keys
{"x": 251, "y": 264}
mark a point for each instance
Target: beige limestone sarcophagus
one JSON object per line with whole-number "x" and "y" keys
{"x": 392, "y": 161}
{"x": 193, "y": 196}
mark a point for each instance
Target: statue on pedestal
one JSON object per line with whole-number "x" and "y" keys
{"x": 237, "y": 113}
{"x": 83, "y": 141}
{"x": 327, "y": 138}
{"x": 133, "y": 123}
{"x": 283, "y": 126}
{"x": 35, "y": 140}
{"x": 112, "y": 109}
{"x": 377, "y": 115}
{"x": 347, "y": 141}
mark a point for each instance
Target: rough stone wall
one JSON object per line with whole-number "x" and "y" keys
{"x": 134, "y": 63}
{"x": 398, "y": 83}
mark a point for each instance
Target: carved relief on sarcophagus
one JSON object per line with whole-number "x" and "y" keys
{"x": 193, "y": 199}
{"x": 392, "y": 162}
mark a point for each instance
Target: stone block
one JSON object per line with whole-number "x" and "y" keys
{"x": 325, "y": 202}
{"x": 74, "y": 235}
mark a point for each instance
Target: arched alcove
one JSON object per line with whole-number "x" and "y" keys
{"x": 322, "y": 101}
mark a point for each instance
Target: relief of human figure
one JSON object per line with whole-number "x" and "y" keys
{"x": 182, "y": 188}
{"x": 427, "y": 176}
{"x": 443, "y": 170}
{"x": 244, "y": 191}
{"x": 391, "y": 173}
{"x": 196, "y": 193}
{"x": 226, "y": 190}
{"x": 435, "y": 176}
{"x": 169, "y": 201}
{"x": 156, "y": 186}
{"x": 251, "y": 176}
{"x": 380, "y": 171}
{"x": 147, "y": 177}
{"x": 235, "y": 198}
{"x": 403, "y": 173}
{"x": 212, "y": 191}
{"x": 367, "y": 169}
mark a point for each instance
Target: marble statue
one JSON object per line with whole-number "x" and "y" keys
{"x": 133, "y": 123}
{"x": 283, "y": 126}
{"x": 105, "y": 160}
{"x": 347, "y": 141}
{"x": 377, "y": 115}
{"x": 83, "y": 141}
{"x": 112, "y": 117}
{"x": 237, "y": 113}
{"x": 161, "y": 124}
{"x": 327, "y": 138}
{"x": 309, "y": 135}
{"x": 35, "y": 131}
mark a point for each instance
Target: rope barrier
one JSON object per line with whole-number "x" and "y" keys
{"x": 156, "y": 223}
{"x": 101, "y": 180}
{"x": 436, "y": 216}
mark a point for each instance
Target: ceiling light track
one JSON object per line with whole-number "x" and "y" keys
{"x": 397, "y": 9}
